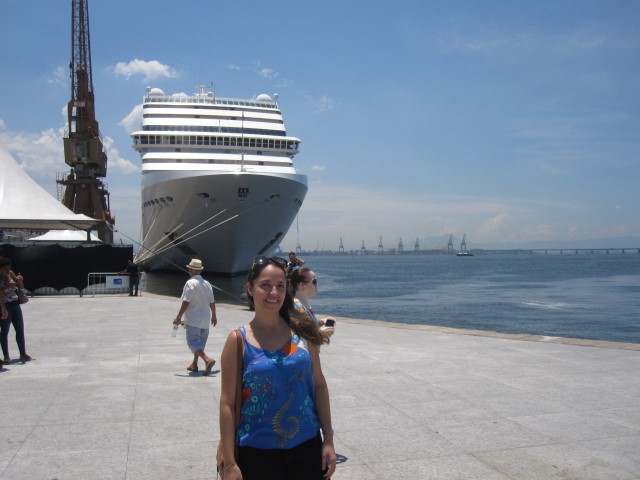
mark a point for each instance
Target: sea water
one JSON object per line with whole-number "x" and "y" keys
{"x": 591, "y": 296}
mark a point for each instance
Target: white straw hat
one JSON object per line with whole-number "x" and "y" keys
{"x": 195, "y": 264}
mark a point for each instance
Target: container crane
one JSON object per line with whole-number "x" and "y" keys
{"x": 83, "y": 149}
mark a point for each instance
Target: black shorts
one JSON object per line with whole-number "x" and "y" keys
{"x": 303, "y": 462}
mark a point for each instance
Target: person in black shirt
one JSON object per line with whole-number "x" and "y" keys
{"x": 134, "y": 277}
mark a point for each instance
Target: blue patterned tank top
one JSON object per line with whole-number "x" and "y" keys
{"x": 278, "y": 408}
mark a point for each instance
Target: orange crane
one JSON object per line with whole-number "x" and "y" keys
{"x": 84, "y": 152}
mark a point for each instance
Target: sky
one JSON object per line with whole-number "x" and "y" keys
{"x": 511, "y": 121}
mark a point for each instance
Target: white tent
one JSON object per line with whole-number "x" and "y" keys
{"x": 64, "y": 236}
{"x": 26, "y": 205}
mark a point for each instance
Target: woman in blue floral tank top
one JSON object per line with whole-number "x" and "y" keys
{"x": 284, "y": 431}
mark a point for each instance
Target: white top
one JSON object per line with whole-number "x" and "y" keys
{"x": 198, "y": 292}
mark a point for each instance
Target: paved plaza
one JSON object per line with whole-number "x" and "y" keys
{"x": 109, "y": 397}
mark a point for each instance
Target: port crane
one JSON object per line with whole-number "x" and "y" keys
{"x": 84, "y": 152}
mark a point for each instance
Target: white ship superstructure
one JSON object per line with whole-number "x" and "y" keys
{"x": 218, "y": 181}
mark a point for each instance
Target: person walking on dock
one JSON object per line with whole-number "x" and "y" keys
{"x": 199, "y": 310}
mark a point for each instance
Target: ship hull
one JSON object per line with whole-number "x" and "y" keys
{"x": 224, "y": 219}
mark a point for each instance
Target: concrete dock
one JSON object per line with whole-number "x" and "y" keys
{"x": 109, "y": 397}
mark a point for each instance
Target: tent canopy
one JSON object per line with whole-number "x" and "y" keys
{"x": 65, "y": 236}
{"x": 26, "y": 205}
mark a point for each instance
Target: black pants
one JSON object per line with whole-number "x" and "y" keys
{"x": 133, "y": 283}
{"x": 15, "y": 319}
{"x": 303, "y": 462}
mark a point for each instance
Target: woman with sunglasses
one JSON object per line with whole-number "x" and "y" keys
{"x": 284, "y": 431}
{"x": 303, "y": 285}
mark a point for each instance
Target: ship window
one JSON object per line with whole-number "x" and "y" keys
{"x": 270, "y": 143}
{"x": 199, "y": 140}
{"x": 260, "y": 163}
{"x": 144, "y": 139}
{"x": 252, "y": 142}
{"x": 172, "y": 139}
{"x": 170, "y": 199}
{"x": 226, "y": 141}
{"x": 192, "y": 140}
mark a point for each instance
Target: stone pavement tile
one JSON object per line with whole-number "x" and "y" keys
{"x": 92, "y": 391}
{"x": 108, "y": 464}
{"x": 473, "y": 389}
{"x": 76, "y": 437}
{"x": 626, "y": 416}
{"x": 413, "y": 390}
{"x": 400, "y": 444}
{"x": 354, "y": 472}
{"x": 458, "y": 467}
{"x": 364, "y": 419}
{"x": 174, "y": 431}
{"x": 588, "y": 398}
{"x": 449, "y": 411}
{"x": 191, "y": 461}
{"x": 496, "y": 434}
{"x": 554, "y": 462}
{"x": 174, "y": 405}
{"x": 574, "y": 426}
{"x": 442, "y": 370}
{"x": 23, "y": 410}
{"x": 12, "y": 439}
{"x": 87, "y": 412}
{"x": 624, "y": 452}
{"x": 519, "y": 404}
{"x": 343, "y": 392}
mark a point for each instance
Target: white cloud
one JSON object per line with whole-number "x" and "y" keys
{"x": 58, "y": 77}
{"x": 115, "y": 161}
{"x": 150, "y": 70}
{"x": 41, "y": 154}
{"x": 267, "y": 73}
{"x": 496, "y": 224}
{"x": 2, "y": 124}
{"x": 133, "y": 120}
{"x": 324, "y": 104}
{"x": 318, "y": 168}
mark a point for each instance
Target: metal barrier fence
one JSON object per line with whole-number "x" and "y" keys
{"x": 105, "y": 283}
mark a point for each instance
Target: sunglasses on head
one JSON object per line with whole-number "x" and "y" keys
{"x": 262, "y": 260}
{"x": 314, "y": 281}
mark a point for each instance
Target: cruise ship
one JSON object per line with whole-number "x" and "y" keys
{"x": 218, "y": 181}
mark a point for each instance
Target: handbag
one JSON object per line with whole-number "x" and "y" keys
{"x": 22, "y": 296}
{"x": 219, "y": 457}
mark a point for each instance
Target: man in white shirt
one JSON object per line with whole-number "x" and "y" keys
{"x": 198, "y": 308}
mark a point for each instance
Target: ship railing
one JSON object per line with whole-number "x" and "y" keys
{"x": 211, "y": 100}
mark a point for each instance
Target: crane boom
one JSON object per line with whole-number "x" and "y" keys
{"x": 83, "y": 148}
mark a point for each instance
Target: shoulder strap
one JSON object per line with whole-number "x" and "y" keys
{"x": 240, "y": 352}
